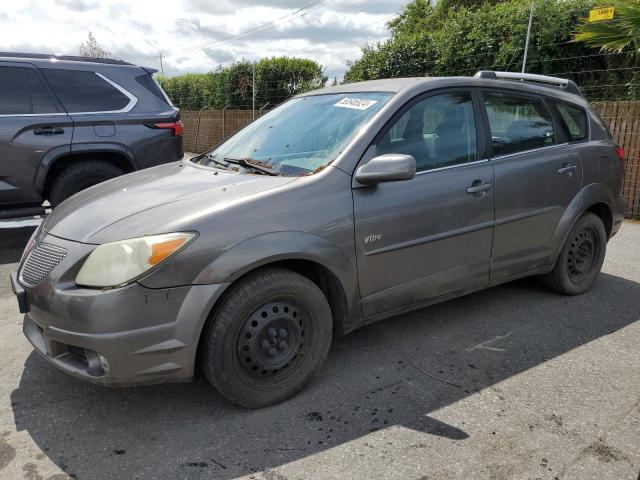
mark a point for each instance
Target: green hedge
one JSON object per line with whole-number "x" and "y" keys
{"x": 277, "y": 79}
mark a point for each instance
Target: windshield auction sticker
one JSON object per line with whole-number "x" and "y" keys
{"x": 356, "y": 103}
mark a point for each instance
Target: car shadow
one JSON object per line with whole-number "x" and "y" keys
{"x": 393, "y": 373}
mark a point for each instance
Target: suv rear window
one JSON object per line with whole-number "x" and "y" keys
{"x": 82, "y": 91}
{"x": 574, "y": 119}
{"x": 518, "y": 123}
{"x": 22, "y": 93}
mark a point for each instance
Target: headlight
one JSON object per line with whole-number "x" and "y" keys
{"x": 118, "y": 263}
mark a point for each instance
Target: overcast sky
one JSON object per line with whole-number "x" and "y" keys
{"x": 328, "y": 31}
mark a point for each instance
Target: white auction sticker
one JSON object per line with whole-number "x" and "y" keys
{"x": 354, "y": 102}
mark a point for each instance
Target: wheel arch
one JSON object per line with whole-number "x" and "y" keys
{"x": 309, "y": 255}
{"x": 604, "y": 211}
{"x": 595, "y": 198}
{"x": 53, "y": 164}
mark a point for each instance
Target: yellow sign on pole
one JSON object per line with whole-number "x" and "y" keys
{"x": 600, "y": 14}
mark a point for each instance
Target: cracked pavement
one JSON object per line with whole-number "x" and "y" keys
{"x": 511, "y": 383}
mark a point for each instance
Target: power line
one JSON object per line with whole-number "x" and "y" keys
{"x": 290, "y": 16}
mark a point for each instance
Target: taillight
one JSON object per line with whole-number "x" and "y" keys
{"x": 176, "y": 127}
{"x": 620, "y": 153}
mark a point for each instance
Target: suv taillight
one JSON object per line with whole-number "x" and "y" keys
{"x": 620, "y": 153}
{"x": 176, "y": 127}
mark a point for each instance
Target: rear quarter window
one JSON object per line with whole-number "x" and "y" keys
{"x": 84, "y": 91}
{"x": 150, "y": 83}
{"x": 574, "y": 119}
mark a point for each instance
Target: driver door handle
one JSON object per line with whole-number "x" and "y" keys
{"x": 48, "y": 131}
{"x": 479, "y": 187}
{"x": 567, "y": 169}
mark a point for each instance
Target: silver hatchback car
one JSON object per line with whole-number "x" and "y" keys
{"x": 340, "y": 207}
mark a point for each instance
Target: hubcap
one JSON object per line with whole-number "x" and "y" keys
{"x": 582, "y": 255}
{"x": 271, "y": 338}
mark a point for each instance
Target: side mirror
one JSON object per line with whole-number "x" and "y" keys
{"x": 386, "y": 168}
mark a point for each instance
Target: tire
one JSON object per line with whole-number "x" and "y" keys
{"x": 267, "y": 339}
{"x": 79, "y": 176}
{"x": 581, "y": 258}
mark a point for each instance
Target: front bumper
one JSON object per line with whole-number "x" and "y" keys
{"x": 147, "y": 335}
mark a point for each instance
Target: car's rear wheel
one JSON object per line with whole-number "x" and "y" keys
{"x": 267, "y": 338}
{"x": 581, "y": 257}
{"x": 81, "y": 175}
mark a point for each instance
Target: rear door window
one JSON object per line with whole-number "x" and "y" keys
{"x": 518, "y": 123}
{"x": 22, "y": 93}
{"x": 574, "y": 119}
{"x": 83, "y": 91}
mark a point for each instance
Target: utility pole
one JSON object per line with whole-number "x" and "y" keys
{"x": 253, "y": 94}
{"x": 526, "y": 44}
{"x": 161, "y": 67}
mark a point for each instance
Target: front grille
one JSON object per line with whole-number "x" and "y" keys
{"x": 39, "y": 263}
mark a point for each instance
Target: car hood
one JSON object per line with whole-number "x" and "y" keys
{"x": 167, "y": 198}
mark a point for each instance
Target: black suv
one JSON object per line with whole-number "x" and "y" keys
{"x": 67, "y": 123}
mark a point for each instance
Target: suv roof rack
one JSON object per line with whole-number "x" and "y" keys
{"x": 562, "y": 83}
{"x": 71, "y": 58}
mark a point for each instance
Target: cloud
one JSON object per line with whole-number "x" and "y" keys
{"x": 328, "y": 31}
{"x": 220, "y": 57}
{"x": 78, "y": 5}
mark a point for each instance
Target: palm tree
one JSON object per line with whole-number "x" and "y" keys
{"x": 614, "y": 36}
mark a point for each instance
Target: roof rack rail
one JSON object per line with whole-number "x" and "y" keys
{"x": 71, "y": 58}
{"x": 562, "y": 83}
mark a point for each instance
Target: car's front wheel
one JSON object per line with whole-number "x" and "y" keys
{"x": 267, "y": 338}
{"x": 581, "y": 258}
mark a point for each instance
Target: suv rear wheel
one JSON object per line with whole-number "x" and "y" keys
{"x": 581, "y": 257}
{"x": 268, "y": 338}
{"x": 81, "y": 175}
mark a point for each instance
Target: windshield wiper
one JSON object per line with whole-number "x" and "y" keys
{"x": 247, "y": 163}
{"x": 208, "y": 159}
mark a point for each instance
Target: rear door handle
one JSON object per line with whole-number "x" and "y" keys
{"x": 478, "y": 187}
{"x": 567, "y": 169}
{"x": 48, "y": 131}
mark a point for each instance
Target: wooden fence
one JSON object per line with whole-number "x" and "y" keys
{"x": 623, "y": 119}
{"x": 205, "y": 129}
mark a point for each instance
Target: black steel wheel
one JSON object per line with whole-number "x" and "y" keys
{"x": 582, "y": 253}
{"x": 272, "y": 338}
{"x": 266, "y": 340}
{"x": 581, "y": 258}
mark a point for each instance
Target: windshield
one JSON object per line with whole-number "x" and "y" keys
{"x": 299, "y": 137}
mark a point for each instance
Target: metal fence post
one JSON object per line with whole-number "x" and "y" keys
{"x": 195, "y": 142}
{"x": 224, "y": 115}
{"x": 526, "y": 44}
{"x": 253, "y": 94}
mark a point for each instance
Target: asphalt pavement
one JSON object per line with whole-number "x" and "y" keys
{"x": 514, "y": 382}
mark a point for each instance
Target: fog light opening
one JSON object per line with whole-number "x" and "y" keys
{"x": 103, "y": 362}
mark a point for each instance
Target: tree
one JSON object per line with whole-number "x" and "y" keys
{"x": 92, "y": 49}
{"x": 438, "y": 40}
{"x": 617, "y": 35}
